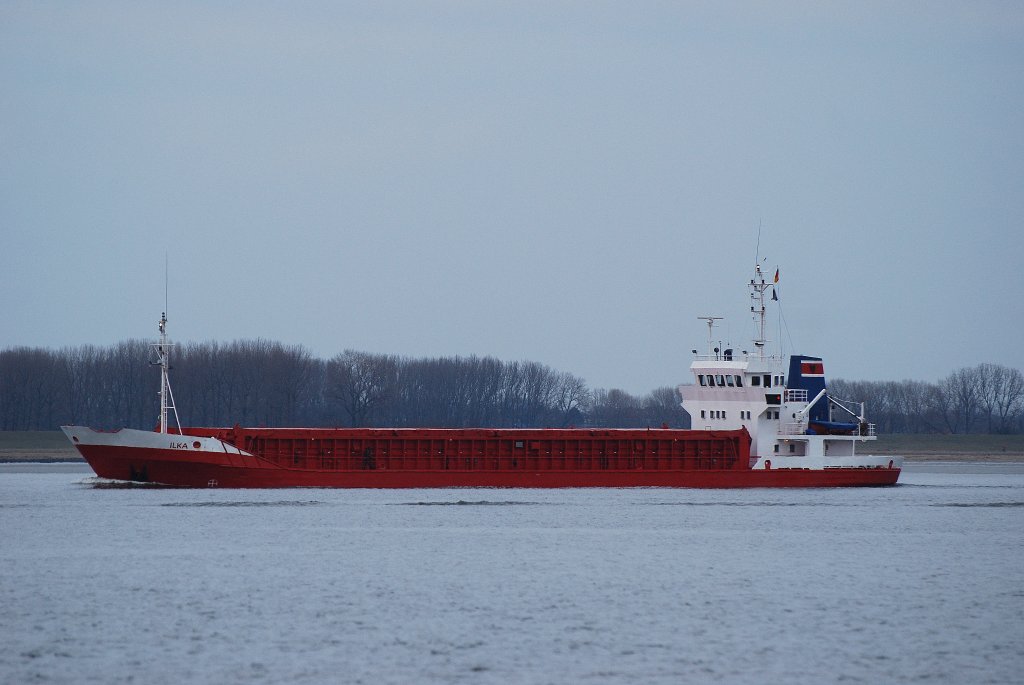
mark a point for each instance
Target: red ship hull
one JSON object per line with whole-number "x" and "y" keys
{"x": 442, "y": 458}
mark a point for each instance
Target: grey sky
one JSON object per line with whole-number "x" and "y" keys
{"x": 571, "y": 183}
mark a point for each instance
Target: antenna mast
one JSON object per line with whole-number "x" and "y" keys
{"x": 758, "y": 286}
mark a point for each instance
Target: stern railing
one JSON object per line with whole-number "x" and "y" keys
{"x": 863, "y": 430}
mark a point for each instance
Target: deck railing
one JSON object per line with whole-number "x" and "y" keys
{"x": 800, "y": 428}
{"x": 796, "y": 395}
{"x": 793, "y": 428}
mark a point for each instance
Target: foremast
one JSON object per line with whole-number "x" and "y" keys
{"x": 163, "y": 356}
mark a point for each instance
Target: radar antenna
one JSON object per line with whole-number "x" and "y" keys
{"x": 710, "y": 320}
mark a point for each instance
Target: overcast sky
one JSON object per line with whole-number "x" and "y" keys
{"x": 571, "y": 183}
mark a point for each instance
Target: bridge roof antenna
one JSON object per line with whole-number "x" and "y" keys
{"x": 710, "y": 320}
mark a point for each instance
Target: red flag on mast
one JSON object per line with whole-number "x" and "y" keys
{"x": 776, "y": 275}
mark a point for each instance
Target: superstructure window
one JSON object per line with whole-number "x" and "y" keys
{"x": 700, "y": 378}
{"x": 767, "y": 380}
{"x": 702, "y": 414}
{"x": 739, "y": 381}
{"x": 730, "y": 381}
{"x": 719, "y": 381}
{"x": 755, "y": 381}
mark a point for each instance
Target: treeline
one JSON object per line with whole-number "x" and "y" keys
{"x": 987, "y": 398}
{"x": 264, "y": 383}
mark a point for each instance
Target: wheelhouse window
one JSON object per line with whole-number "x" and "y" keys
{"x": 720, "y": 381}
{"x": 730, "y": 381}
{"x": 767, "y": 380}
{"x": 700, "y": 379}
{"x": 755, "y": 381}
{"x": 739, "y": 381}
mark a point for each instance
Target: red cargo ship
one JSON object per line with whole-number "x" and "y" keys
{"x": 435, "y": 457}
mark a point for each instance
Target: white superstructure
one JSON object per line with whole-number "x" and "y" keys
{"x": 782, "y": 402}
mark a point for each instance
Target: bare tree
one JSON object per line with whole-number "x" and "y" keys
{"x": 663, "y": 407}
{"x": 615, "y": 408}
{"x": 963, "y": 387}
{"x": 571, "y": 396}
{"x": 1001, "y": 394}
{"x": 33, "y": 392}
{"x": 362, "y": 383}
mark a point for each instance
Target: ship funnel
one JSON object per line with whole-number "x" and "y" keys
{"x": 808, "y": 373}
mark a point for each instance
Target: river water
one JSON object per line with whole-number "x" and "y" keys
{"x": 922, "y": 582}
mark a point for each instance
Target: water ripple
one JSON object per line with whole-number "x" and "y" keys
{"x": 281, "y": 503}
{"x": 979, "y": 504}
{"x": 463, "y": 503}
